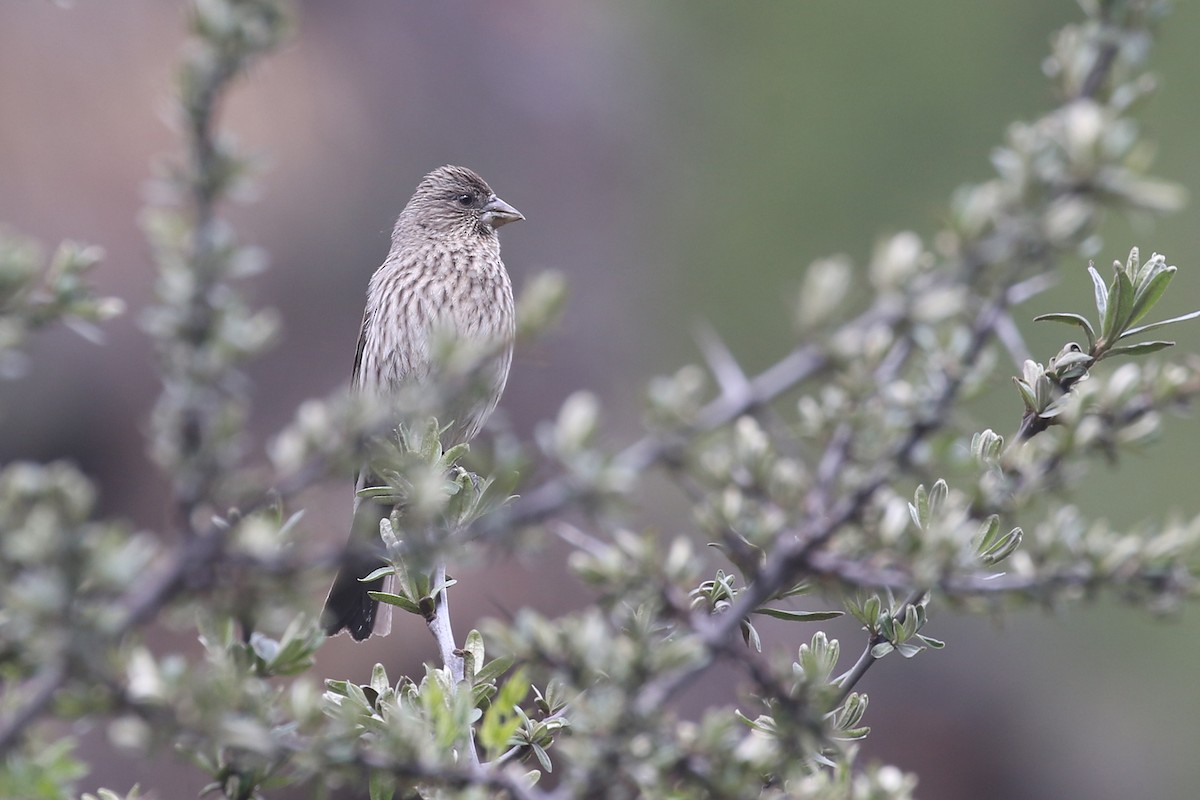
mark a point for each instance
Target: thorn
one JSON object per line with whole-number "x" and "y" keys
{"x": 1020, "y": 292}
{"x": 1010, "y": 336}
{"x": 579, "y": 539}
{"x": 724, "y": 367}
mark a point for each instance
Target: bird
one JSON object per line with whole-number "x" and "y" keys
{"x": 442, "y": 276}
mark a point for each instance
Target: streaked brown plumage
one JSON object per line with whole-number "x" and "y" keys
{"x": 443, "y": 275}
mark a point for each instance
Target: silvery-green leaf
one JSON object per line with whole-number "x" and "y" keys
{"x": 1139, "y": 349}
{"x": 1150, "y": 293}
{"x": 1161, "y": 323}
{"x": 1120, "y": 305}
{"x": 1101, "y": 293}
{"x": 1071, "y": 319}
{"x": 797, "y": 616}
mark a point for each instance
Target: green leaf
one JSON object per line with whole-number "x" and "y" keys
{"x": 922, "y": 501}
{"x": 798, "y": 589}
{"x": 915, "y": 515}
{"x": 502, "y": 719}
{"x": 854, "y": 733}
{"x": 1132, "y": 263}
{"x": 1043, "y": 392}
{"x": 818, "y": 658}
{"x": 396, "y": 600}
{"x": 1071, "y": 359}
{"x": 296, "y": 648}
{"x": 987, "y": 532}
{"x": 1071, "y": 319}
{"x": 1154, "y": 325}
{"x": 473, "y": 655}
{"x": 742, "y": 718}
{"x": 1150, "y": 293}
{"x": 436, "y": 589}
{"x": 382, "y": 572}
{"x": 750, "y": 636}
{"x": 846, "y": 718}
{"x": 358, "y": 695}
{"x": 453, "y": 454}
{"x": 1101, "y": 292}
{"x": 912, "y": 619}
{"x": 1120, "y": 305}
{"x": 986, "y": 446}
{"x": 499, "y": 490}
{"x": 1139, "y": 349}
{"x": 937, "y": 496}
{"x": 919, "y": 508}
{"x": 857, "y": 609}
{"x": 375, "y": 491}
{"x": 542, "y": 756}
{"x": 482, "y": 694}
{"x": 882, "y": 649}
{"x": 379, "y": 679}
{"x": 1027, "y": 397}
{"x": 998, "y": 549}
{"x": 871, "y": 610}
{"x": 493, "y": 669}
{"x": 382, "y": 785}
{"x": 798, "y": 616}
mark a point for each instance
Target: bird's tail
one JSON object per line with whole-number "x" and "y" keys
{"x": 349, "y": 607}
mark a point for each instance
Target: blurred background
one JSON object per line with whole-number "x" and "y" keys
{"x": 679, "y": 161}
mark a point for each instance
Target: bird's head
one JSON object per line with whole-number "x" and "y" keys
{"x": 455, "y": 201}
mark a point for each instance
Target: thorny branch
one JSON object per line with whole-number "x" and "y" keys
{"x": 797, "y": 553}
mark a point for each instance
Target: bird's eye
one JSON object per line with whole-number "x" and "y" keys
{"x": 466, "y": 199}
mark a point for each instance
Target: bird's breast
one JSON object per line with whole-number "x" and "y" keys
{"x": 440, "y": 292}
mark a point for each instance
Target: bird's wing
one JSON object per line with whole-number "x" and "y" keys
{"x": 354, "y": 379}
{"x": 362, "y": 343}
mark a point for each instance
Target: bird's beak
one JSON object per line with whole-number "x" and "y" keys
{"x": 497, "y": 213}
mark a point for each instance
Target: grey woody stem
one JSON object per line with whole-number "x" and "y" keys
{"x": 443, "y": 633}
{"x": 439, "y": 626}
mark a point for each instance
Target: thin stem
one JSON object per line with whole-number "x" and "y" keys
{"x": 452, "y": 657}
{"x": 439, "y": 626}
{"x": 850, "y": 679}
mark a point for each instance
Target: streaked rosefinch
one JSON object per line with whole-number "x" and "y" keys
{"x": 442, "y": 276}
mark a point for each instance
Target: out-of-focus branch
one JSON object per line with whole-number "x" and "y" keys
{"x": 792, "y": 555}
{"x": 784, "y": 375}
{"x": 199, "y": 415}
{"x": 36, "y": 693}
{"x": 196, "y": 417}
